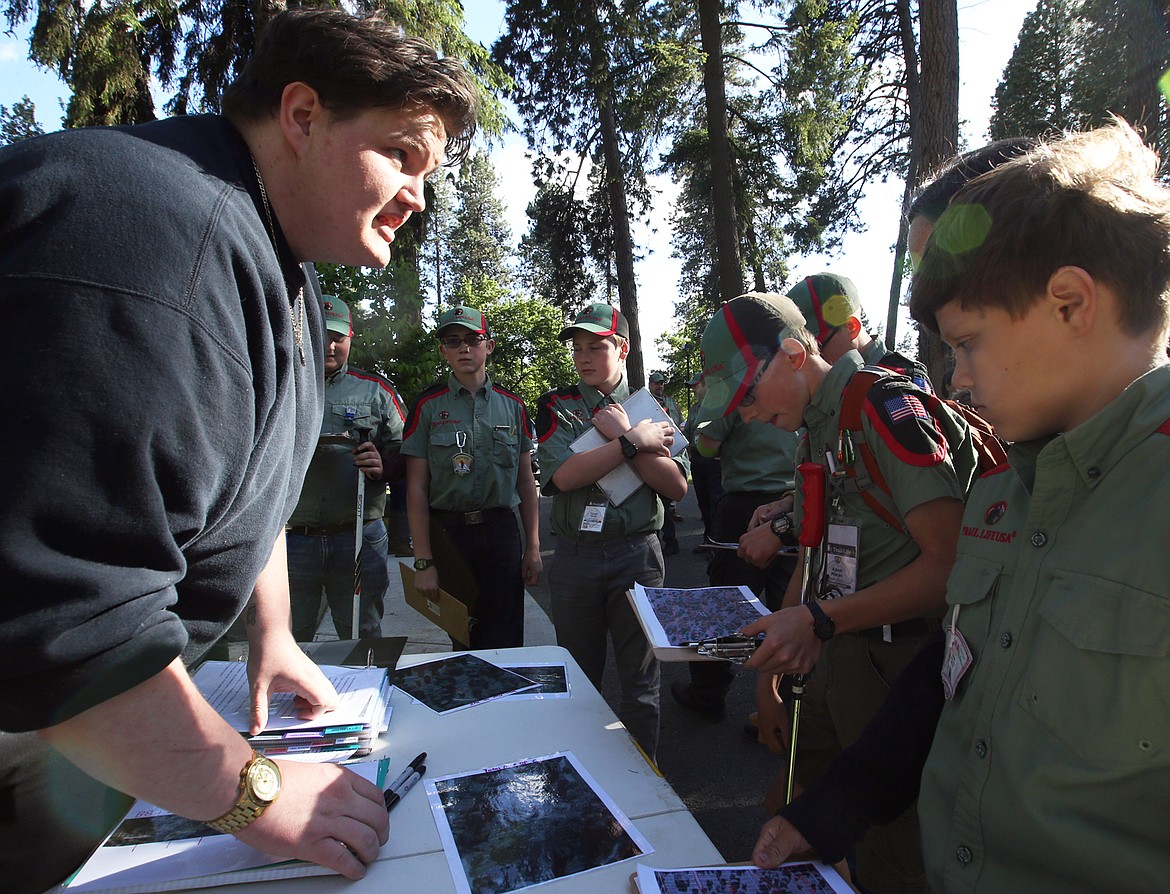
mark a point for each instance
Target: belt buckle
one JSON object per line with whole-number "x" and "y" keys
{"x": 475, "y": 517}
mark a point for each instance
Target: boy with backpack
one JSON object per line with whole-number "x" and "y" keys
{"x": 1040, "y": 749}
{"x": 880, "y": 586}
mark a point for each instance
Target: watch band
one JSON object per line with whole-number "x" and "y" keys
{"x": 823, "y": 626}
{"x": 781, "y": 526}
{"x": 247, "y": 808}
{"x": 423, "y": 564}
{"x": 629, "y": 448}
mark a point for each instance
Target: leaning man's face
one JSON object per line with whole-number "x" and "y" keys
{"x": 363, "y": 177}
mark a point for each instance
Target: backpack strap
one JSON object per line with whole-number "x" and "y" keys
{"x": 863, "y": 475}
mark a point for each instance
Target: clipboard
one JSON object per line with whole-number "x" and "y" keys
{"x": 447, "y": 612}
{"x": 623, "y": 481}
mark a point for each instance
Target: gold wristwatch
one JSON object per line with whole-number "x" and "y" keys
{"x": 259, "y": 787}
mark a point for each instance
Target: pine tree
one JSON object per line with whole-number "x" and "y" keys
{"x": 1033, "y": 95}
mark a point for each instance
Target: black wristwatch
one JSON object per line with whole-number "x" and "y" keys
{"x": 782, "y": 527}
{"x": 423, "y": 564}
{"x": 629, "y": 448}
{"x": 823, "y": 625}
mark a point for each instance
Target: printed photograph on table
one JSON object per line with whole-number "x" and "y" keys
{"x": 672, "y": 616}
{"x": 451, "y": 684}
{"x": 508, "y": 828}
{"x": 791, "y": 878}
{"x": 552, "y": 680}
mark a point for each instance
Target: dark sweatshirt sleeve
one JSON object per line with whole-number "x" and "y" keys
{"x": 876, "y": 778}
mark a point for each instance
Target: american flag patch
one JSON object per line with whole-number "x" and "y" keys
{"x": 905, "y": 406}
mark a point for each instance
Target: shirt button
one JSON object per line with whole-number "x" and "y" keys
{"x": 1094, "y": 472}
{"x": 1005, "y": 640}
{"x": 981, "y": 748}
{"x": 1039, "y": 539}
{"x": 964, "y": 855}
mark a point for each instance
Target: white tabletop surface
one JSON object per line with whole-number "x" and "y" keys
{"x": 500, "y": 732}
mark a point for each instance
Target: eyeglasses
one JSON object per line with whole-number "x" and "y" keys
{"x": 827, "y": 336}
{"x": 454, "y": 341}
{"x": 749, "y": 396}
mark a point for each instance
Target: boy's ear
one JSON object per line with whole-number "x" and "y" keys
{"x": 1073, "y": 296}
{"x": 793, "y": 352}
{"x": 854, "y": 326}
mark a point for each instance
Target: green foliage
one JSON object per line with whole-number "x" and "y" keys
{"x": 19, "y": 122}
{"x": 389, "y": 337}
{"x": 107, "y": 52}
{"x": 479, "y": 239}
{"x": 1077, "y": 61}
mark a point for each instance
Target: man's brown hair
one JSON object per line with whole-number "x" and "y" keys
{"x": 354, "y": 63}
{"x": 1090, "y": 200}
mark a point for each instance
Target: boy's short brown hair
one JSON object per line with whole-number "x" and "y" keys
{"x": 1090, "y": 200}
{"x": 354, "y": 63}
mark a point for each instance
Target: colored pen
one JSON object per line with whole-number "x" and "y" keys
{"x": 393, "y": 797}
{"x": 402, "y": 777}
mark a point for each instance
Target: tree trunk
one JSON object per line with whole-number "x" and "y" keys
{"x": 913, "y": 166}
{"x": 938, "y": 25}
{"x": 729, "y": 270}
{"x": 619, "y": 211}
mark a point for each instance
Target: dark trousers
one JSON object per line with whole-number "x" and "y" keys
{"x": 588, "y": 584}
{"x": 480, "y": 566}
{"x": 710, "y": 680}
{"x": 707, "y": 481}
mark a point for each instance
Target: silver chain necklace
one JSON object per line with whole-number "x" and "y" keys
{"x": 296, "y": 307}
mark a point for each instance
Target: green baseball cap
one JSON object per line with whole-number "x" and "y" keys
{"x": 337, "y": 315}
{"x": 600, "y": 319}
{"x": 740, "y": 338}
{"x": 657, "y": 377}
{"x": 826, "y": 301}
{"x": 694, "y": 380}
{"x": 467, "y": 317}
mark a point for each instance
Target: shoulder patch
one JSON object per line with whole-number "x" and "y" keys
{"x": 901, "y": 415}
{"x": 546, "y": 409}
{"x": 436, "y": 390}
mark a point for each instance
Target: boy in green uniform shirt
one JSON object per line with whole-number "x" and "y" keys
{"x": 875, "y": 614}
{"x": 1046, "y": 731}
{"x": 467, "y": 447}
{"x": 602, "y": 548}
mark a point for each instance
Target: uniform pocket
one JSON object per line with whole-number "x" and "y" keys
{"x": 1097, "y": 676}
{"x": 442, "y": 447}
{"x": 349, "y": 417}
{"x": 505, "y": 448}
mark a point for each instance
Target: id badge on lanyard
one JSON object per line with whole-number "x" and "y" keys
{"x": 593, "y": 518}
{"x": 839, "y": 577}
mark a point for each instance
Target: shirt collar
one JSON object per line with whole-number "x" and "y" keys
{"x": 1101, "y": 441}
{"x": 458, "y": 387}
{"x": 336, "y": 377}
{"x": 594, "y": 398}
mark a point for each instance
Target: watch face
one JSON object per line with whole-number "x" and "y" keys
{"x": 422, "y": 564}
{"x": 265, "y": 780}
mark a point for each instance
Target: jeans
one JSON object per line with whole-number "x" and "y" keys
{"x": 317, "y": 563}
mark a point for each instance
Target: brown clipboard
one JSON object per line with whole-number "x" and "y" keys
{"x": 446, "y": 611}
